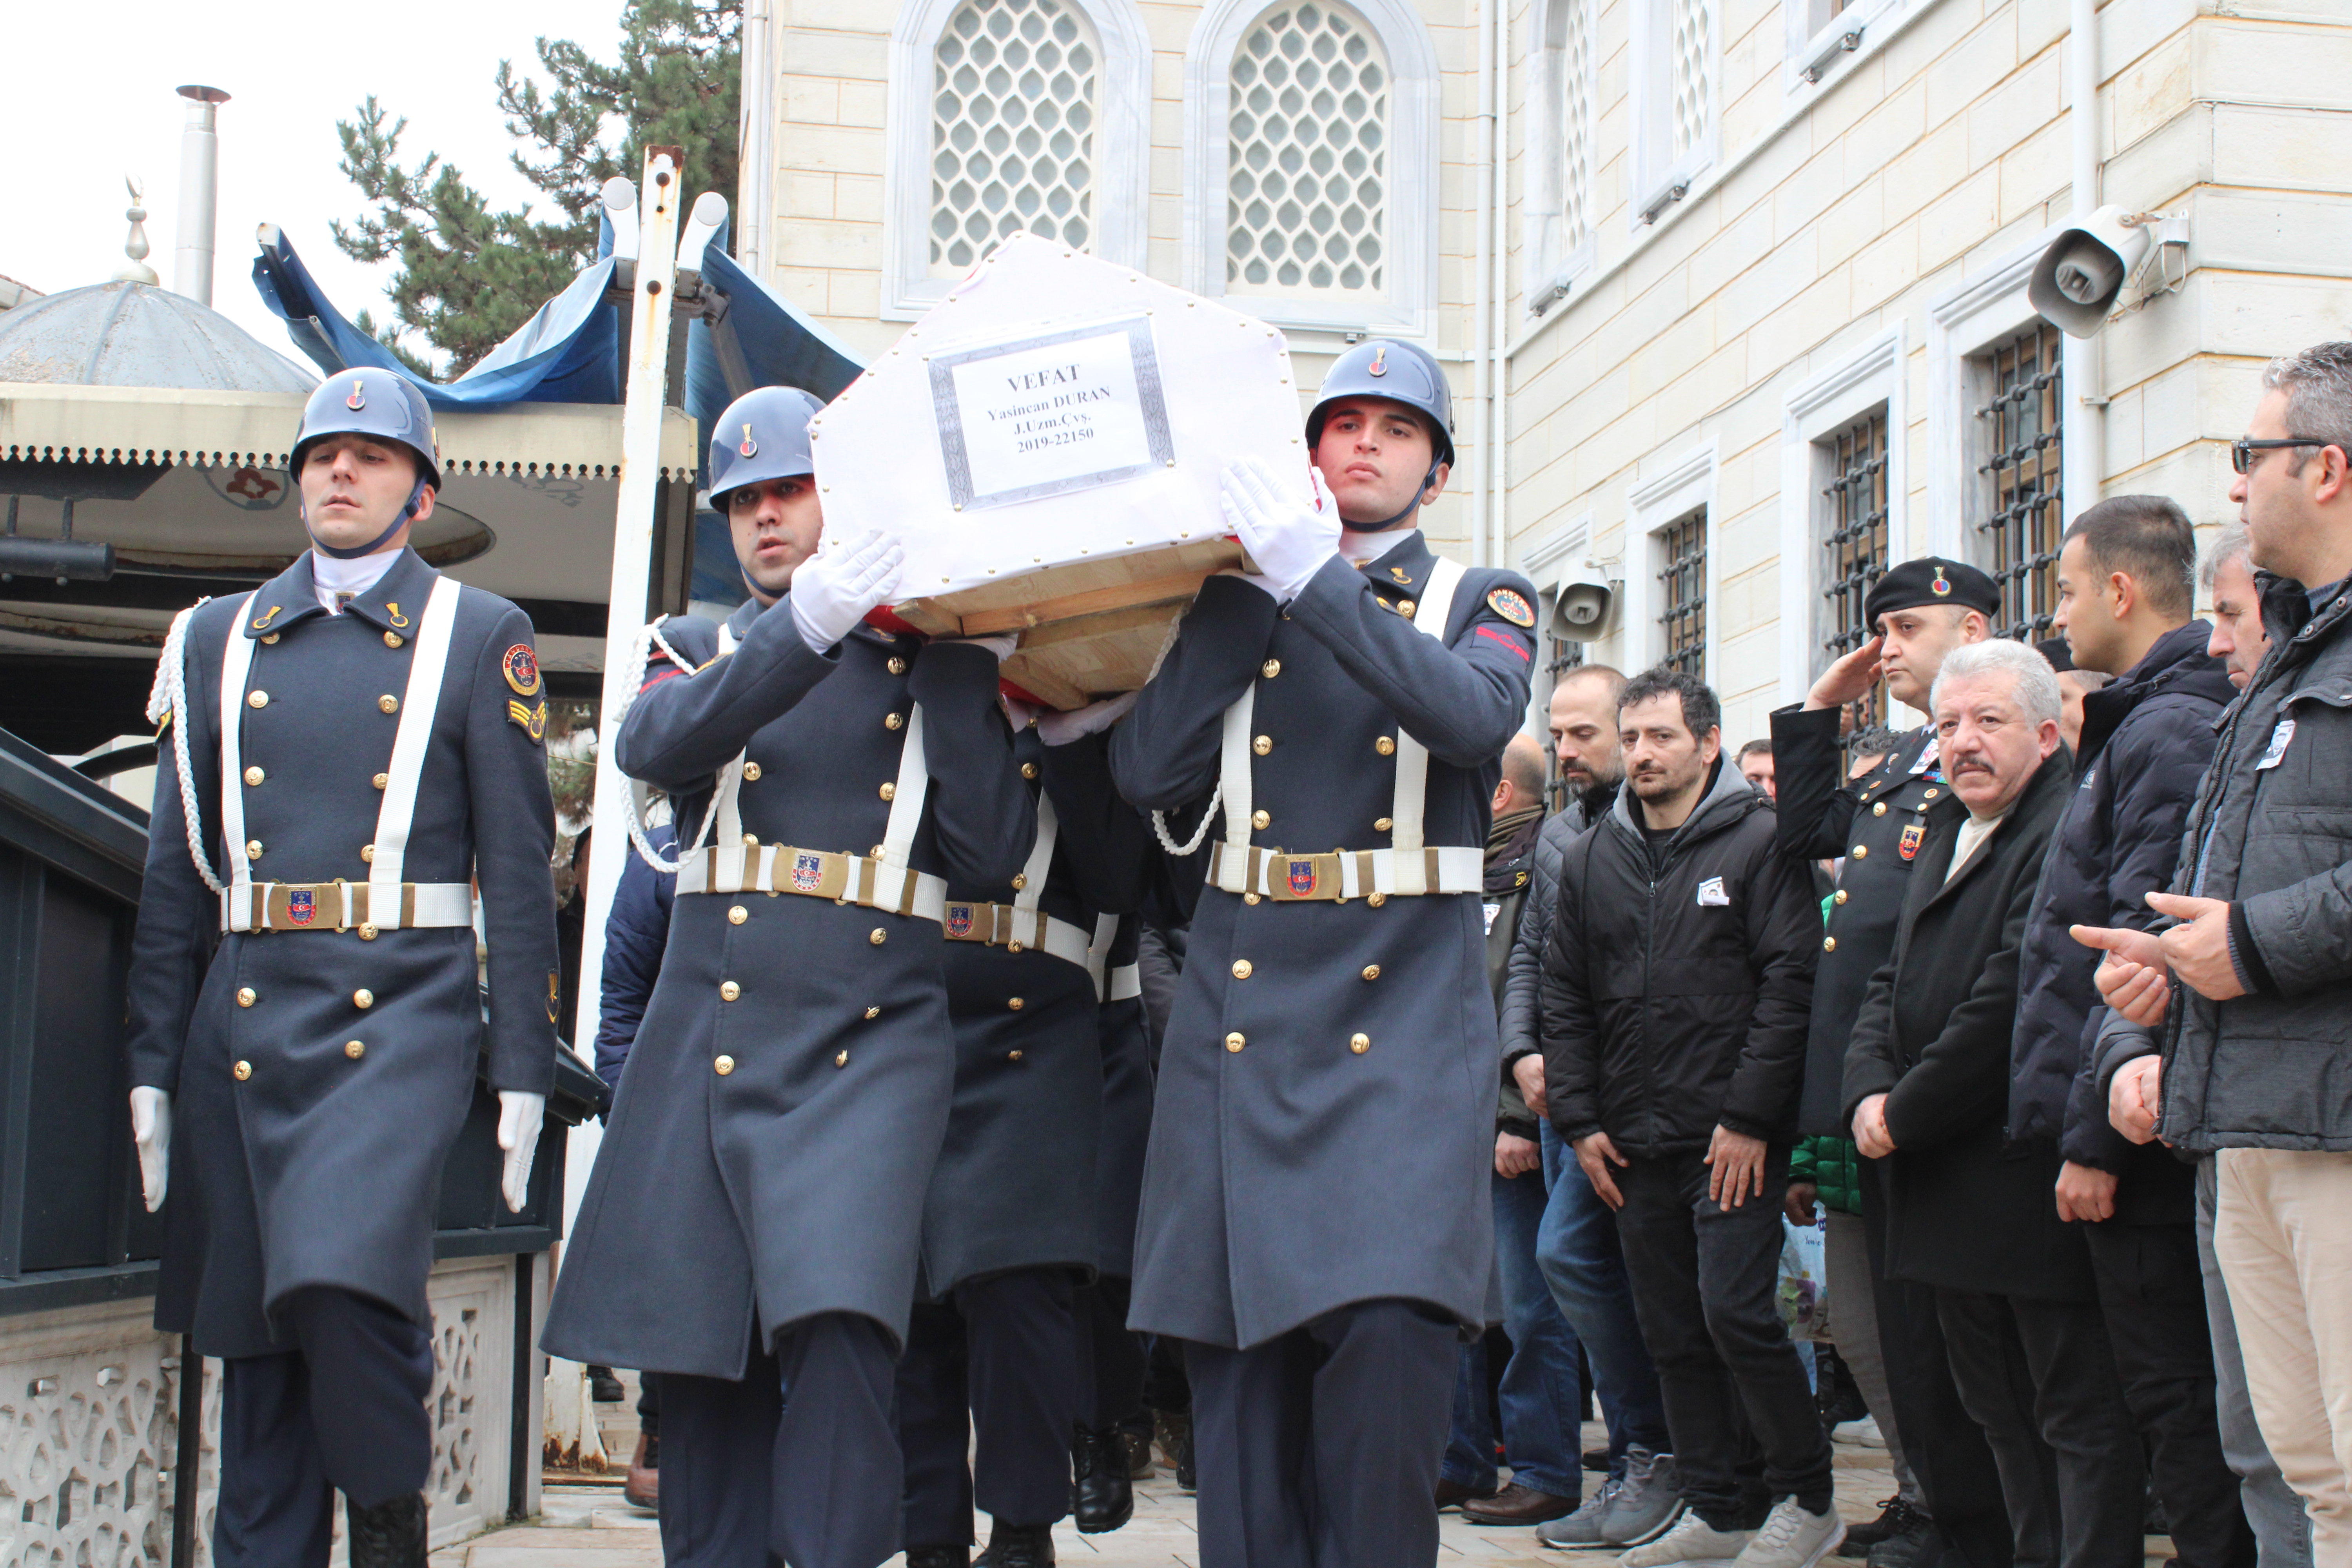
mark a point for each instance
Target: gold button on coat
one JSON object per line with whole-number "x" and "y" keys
{"x": 878, "y": 936}
{"x": 1405, "y": 608}
{"x": 1235, "y": 1042}
{"x": 1371, "y": 972}
{"x": 1862, "y": 851}
{"x": 244, "y": 1071}
{"x": 737, "y": 915}
{"x": 1263, "y": 745}
{"x": 1242, "y": 970}
{"x": 367, "y": 931}
{"x": 841, "y": 1058}
{"x": 751, "y": 772}
{"x": 750, "y": 842}
{"x": 1270, "y": 668}
{"x": 354, "y": 1049}
{"x": 1028, "y": 770}
{"x": 382, "y": 779}
{"x": 894, "y": 721}
{"x": 1015, "y": 1003}
{"x": 1382, "y": 825}
{"x": 897, "y": 666}
{"x": 873, "y": 1013}
{"x": 1359, "y": 1044}
{"x": 1249, "y": 898}
{"x": 1829, "y": 944}
{"x": 1019, "y": 880}
{"x": 388, "y": 703}
{"x": 1376, "y": 900}
{"x": 363, "y": 998}
{"x": 269, "y": 637}
{"x": 367, "y": 852}
{"x": 1385, "y": 746}
{"x": 253, "y": 849}
{"x": 1878, "y": 810}
{"x": 1841, "y": 895}
{"x": 724, "y": 1066}
{"x": 889, "y": 792}
{"x": 253, "y": 775}
{"x": 392, "y": 639}
{"x": 1013, "y": 1055}
{"x": 257, "y": 699}
{"x": 1260, "y": 819}
{"x": 245, "y": 998}
{"x": 729, "y": 990}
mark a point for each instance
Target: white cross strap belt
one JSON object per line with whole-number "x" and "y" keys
{"x": 1022, "y": 923}
{"x": 1407, "y": 867}
{"x": 384, "y": 901}
{"x": 752, "y": 867}
{"x": 1126, "y": 982}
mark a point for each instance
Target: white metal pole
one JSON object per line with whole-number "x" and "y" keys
{"x": 645, "y": 390}
{"x": 192, "y": 256}
{"x": 1498, "y": 511}
{"x": 757, "y": 139}
{"x": 1481, "y": 484}
{"x": 2082, "y": 427}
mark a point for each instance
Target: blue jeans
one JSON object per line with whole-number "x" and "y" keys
{"x": 1542, "y": 1393}
{"x": 1577, "y": 1249}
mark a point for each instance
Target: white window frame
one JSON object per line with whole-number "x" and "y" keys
{"x": 1682, "y": 486}
{"x": 1556, "y": 259}
{"x": 1869, "y": 378}
{"x": 1807, "y": 44}
{"x": 1410, "y": 223}
{"x": 1653, "y": 170}
{"x": 1964, "y": 323}
{"x": 1123, "y": 160}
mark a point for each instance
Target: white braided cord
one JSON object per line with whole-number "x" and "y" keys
{"x": 1167, "y": 842}
{"x": 170, "y": 694}
{"x": 633, "y": 804}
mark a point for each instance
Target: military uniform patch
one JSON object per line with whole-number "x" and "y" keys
{"x": 533, "y": 721}
{"x": 1909, "y": 848}
{"x": 521, "y": 666}
{"x": 1512, "y": 606}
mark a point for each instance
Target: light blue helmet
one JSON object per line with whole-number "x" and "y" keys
{"x": 382, "y": 405}
{"x": 1398, "y": 372}
{"x": 762, "y": 435}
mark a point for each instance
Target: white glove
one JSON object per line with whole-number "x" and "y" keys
{"x": 832, "y": 589}
{"x": 1289, "y": 539}
{"x": 1060, "y": 729}
{"x": 520, "y": 1117}
{"x": 151, "y": 1129}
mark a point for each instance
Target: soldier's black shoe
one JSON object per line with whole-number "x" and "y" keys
{"x": 1102, "y": 1494}
{"x": 1018, "y": 1546}
{"x": 939, "y": 1557}
{"x": 603, "y": 1387}
{"x": 1188, "y": 1477}
{"x": 389, "y": 1535}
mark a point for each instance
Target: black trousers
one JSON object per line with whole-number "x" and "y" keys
{"x": 796, "y": 1459}
{"x": 1111, "y": 1359}
{"x": 1703, "y": 1279}
{"x": 344, "y": 1411}
{"x": 999, "y": 1357}
{"x": 2152, "y": 1292}
{"x": 1947, "y": 1451}
{"x": 1320, "y": 1448}
{"x": 2040, "y": 1378}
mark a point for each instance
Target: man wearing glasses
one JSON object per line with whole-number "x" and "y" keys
{"x": 2248, "y": 988}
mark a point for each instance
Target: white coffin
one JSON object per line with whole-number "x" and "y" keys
{"x": 1046, "y": 443}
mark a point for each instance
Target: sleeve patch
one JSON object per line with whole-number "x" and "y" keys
{"x": 1512, "y": 605}
{"x": 1507, "y": 640}
{"x": 655, "y": 677}
{"x": 532, "y": 721}
{"x": 521, "y": 667}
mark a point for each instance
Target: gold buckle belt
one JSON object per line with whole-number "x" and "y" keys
{"x": 343, "y": 906}
{"x": 859, "y": 880}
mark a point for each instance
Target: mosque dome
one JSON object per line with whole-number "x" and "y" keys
{"x": 123, "y": 333}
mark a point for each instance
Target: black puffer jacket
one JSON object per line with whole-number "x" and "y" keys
{"x": 1522, "y": 1002}
{"x": 2145, "y": 741}
{"x": 1674, "y": 995}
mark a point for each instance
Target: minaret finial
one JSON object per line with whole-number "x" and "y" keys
{"x": 136, "y": 246}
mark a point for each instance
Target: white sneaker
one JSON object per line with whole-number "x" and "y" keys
{"x": 1691, "y": 1540}
{"x": 1793, "y": 1537}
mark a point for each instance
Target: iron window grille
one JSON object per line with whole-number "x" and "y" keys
{"x": 1565, "y": 655}
{"x": 1683, "y": 596}
{"x": 1854, "y": 546}
{"x": 2025, "y": 509}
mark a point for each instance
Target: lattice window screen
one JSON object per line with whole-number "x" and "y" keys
{"x": 1013, "y": 128}
{"x": 1682, "y": 582}
{"x": 1576, "y": 121}
{"x": 1307, "y": 168}
{"x": 1694, "y": 93}
{"x": 2025, "y": 513}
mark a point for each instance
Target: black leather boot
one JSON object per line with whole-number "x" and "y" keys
{"x": 1018, "y": 1546}
{"x": 939, "y": 1557}
{"x": 389, "y": 1535}
{"x": 1104, "y": 1496}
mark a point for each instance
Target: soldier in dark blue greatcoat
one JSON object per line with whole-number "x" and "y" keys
{"x": 348, "y": 747}
{"x": 753, "y": 1223}
{"x": 1316, "y": 1224}
{"x": 1010, "y": 1228}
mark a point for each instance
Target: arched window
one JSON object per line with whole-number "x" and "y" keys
{"x": 1306, "y": 163}
{"x": 1013, "y": 128}
{"x": 1559, "y": 211}
{"x": 1012, "y": 115}
{"x": 1311, "y": 184}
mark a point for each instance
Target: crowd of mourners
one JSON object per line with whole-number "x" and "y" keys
{"x": 1987, "y": 1082}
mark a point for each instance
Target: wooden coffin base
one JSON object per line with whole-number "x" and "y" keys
{"x": 1089, "y": 629}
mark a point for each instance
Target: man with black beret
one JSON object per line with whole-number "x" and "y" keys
{"x": 1918, "y": 612}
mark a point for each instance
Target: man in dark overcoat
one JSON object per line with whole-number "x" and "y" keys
{"x": 1010, "y": 1230}
{"x": 346, "y": 748}
{"x": 752, "y": 1226}
{"x": 1916, "y": 613}
{"x": 1317, "y": 1223}
{"x": 1970, "y": 1213}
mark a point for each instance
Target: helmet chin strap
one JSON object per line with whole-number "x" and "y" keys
{"x": 1412, "y": 506}
{"x": 353, "y": 552}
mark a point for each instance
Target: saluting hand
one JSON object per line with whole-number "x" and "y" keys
{"x": 1849, "y": 680}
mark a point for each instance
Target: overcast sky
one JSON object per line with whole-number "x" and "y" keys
{"x": 91, "y": 95}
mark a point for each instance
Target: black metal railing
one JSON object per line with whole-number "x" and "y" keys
{"x": 2024, "y": 509}
{"x": 1855, "y": 544}
{"x": 1682, "y": 582}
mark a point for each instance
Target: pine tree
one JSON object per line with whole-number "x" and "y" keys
{"x": 467, "y": 277}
